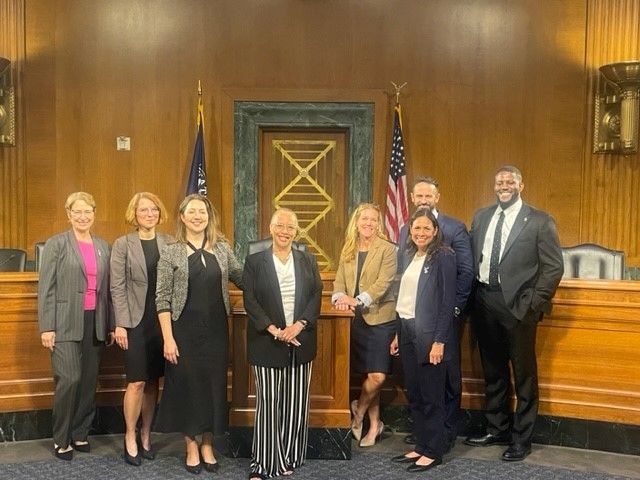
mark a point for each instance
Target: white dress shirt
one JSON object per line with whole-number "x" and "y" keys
{"x": 510, "y": 215}
{"x": 287, "y": 281}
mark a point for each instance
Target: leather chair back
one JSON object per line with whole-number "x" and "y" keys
{"x": 260, "y": 245}
{"x": 592, "y": 261}
{"x": 38, "y": 248}
{"x": 12, "y": 260}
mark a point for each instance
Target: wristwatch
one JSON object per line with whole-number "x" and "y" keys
{"x": 304, "y": 323}
{"x": 456, "y": 311}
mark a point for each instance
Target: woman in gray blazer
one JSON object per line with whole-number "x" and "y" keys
{"x": 75, "y": 321}
{"x": 134, "y": 262}
{"x": 192, "y": 297}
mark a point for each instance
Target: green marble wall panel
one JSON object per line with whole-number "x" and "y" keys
{"x": 251, "y": 117}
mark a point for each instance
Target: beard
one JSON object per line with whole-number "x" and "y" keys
{"x": 514, "y": 198}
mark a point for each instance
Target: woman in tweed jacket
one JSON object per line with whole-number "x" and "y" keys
{"x": 192, "y": 298}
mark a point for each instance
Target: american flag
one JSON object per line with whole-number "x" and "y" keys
{"x": 397, "y": 210}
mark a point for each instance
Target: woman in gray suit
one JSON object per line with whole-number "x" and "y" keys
{"x": 192, "y": 297}
{"x": 134, "y": 262}
{"x": 75, "y": 321}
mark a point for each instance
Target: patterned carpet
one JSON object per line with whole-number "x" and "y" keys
{"x": 365, "y": 466}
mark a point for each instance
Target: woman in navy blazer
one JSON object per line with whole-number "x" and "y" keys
{"x": 74, "y": 317}
{"x": 425, "y": 307}
{"x": 134, "y": 261}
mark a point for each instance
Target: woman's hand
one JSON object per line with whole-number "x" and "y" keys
{"x": 437, "y": 353}
{"x": 345, "y": 303}
{"x": 394, "y": 349}
{"x": 48, "y": 339}
{"x": 290, "y": 333}
{"x": 121, "y": 338}
{"x": 171, "y": 351}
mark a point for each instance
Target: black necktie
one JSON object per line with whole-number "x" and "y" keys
{"x": 494, "y": 263}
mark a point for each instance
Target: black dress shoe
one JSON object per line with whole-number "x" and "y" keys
{"x": 488, "y": 439}
{"x": 82, "y": 447}
{"x": 130, "y": 459}
{"x": 423, "y": 468}
{"x": 516, "y": 453}
{"x": 404, "y": 459}
{"x": 410, "y": 439}
{"x": 195, "y": 469}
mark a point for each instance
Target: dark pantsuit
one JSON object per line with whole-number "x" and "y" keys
{"x": 503, "y": 339}
{"x": 75, "y": 372}
{"x": 453, "y": 388}
{"x": 425, "y": 384}
{"x": 282, "y": 410}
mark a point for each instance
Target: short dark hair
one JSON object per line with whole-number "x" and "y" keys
{"x": 429, "y": 180}
{"x": 511, "y": 169}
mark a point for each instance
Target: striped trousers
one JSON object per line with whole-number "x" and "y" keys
{"x": 282, "y": 412}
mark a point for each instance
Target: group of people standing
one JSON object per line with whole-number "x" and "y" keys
{"x": 165, "y": 301}
{"x": 503, "y": 272}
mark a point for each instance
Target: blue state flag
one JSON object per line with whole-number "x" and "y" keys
{"x": 197, "y": 177}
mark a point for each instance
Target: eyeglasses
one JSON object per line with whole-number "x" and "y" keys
{"x": 281, "y": 227}
{"x": 149, "y": 211}
{"x": 79, "y": 213}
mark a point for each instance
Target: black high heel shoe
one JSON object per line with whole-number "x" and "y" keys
{"x": 146, "y": 454}
{"x": 131, "y": 460}
{"x": 195, "y": 469}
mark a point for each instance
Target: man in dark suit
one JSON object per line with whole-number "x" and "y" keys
{"x": 518, "y": 266}
{"x": 282, "y": 295}
{"x": 425, "y": 194}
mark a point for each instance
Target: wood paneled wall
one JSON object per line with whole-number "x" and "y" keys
{"x": 487, "y": 83}
{"x": 12, "y": 159}
{"x": 610, "y": 214}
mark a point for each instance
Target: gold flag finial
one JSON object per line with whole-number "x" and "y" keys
{"x": 398, "y": 88}
{"x": 199, "y": 88}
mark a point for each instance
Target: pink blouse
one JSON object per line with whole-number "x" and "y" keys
{"x": 91, "y": 267}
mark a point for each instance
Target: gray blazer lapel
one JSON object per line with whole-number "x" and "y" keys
{"x": 137, "y": 254}
{"x": 518, "y": 225}
{"x": 482, "y": 233}
{"x": 73, "y": 246}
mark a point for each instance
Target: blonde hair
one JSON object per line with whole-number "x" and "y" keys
{"x": 350, "y": 248}
{"x": 130, "y": 213}
{"x": 77, "y": 196}
{"x": 212, "y": 232}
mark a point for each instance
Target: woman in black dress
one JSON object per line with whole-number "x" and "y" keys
{"x": 134, "y": 259}
{"x": 193, "y": 303}
{"x": 363, "y": 284}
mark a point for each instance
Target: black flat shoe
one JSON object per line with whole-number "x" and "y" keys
{"x": 211, "y": 467}
{"x": 130, "y": 459}
{"x": 67, "y": 456}
{"x": 195, "y": 469}
{"x": 82, "y": 447}
{"x": 423, "y": 468}
{"x": 489, "y": 439}
{"x": 516, "y": 453}
{"x": 404, "y": 459}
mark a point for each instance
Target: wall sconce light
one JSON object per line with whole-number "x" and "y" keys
{"x": 7, "y": 105}
{"x": 617, "y": 109}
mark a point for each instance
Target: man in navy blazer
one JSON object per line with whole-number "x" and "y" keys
{"x": 518, "y": 266}
{"x": 425, "y": 194}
